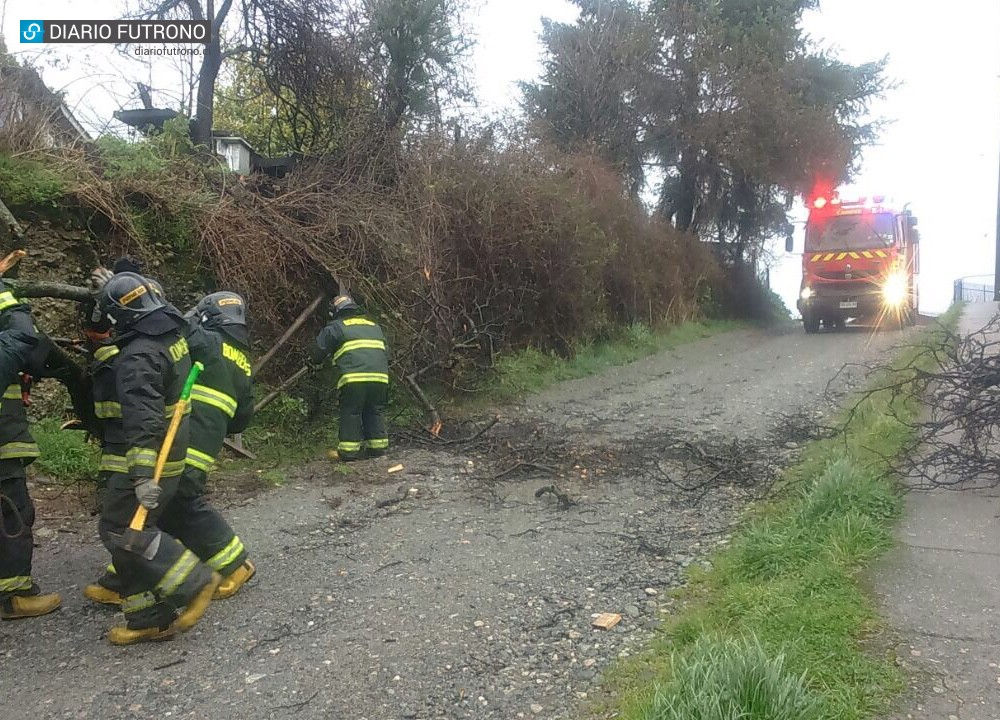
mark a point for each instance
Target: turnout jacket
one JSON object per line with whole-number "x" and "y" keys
{"x": 222, "y": 399}
{"x": 138, "y": 380}
{"x": 22, "y": 350}
{"x": 357, "y": 346}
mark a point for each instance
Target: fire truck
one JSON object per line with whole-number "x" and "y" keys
{"x": 861, "y": 261}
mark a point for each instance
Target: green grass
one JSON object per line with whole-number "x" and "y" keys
{"x": 779, "y": 624}
{"x": 66, "y": 457}
{"x": 529, "y": 371}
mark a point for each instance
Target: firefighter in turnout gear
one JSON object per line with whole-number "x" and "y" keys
{"x": 222, "y": 403}
{"x": 138, "y": 380}
{"x": 359, "y": 352}
{"x": 22, "y": 352}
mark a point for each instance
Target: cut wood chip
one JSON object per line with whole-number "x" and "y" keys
{"x": 395, "y": 469}
{"x": 606, "y": 621}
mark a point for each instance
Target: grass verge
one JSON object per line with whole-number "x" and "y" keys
{"x": 776, "y": 628}
{"x": 66, "y": 455}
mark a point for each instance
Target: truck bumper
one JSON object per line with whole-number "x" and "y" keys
{"x": 836, "y": 307}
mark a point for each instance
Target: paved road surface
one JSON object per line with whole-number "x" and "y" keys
{"x": 468, "y": 598}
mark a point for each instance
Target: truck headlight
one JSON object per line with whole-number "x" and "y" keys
{"x": 807, "y": 292}
{"x": 894, "y": 290}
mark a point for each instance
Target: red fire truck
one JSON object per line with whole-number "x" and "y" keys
{"x": 861, "y": 261}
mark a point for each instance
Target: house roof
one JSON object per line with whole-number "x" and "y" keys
{"x": 31, "y": 88}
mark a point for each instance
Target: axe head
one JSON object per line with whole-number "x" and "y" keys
{"x": 144, "y": 543}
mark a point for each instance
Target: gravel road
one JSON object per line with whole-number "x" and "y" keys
{"x": 453, "y": 588}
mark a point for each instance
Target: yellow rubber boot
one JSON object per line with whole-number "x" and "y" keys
{"x": 122, "y": 635}
{"x": 195, "y": 609}
{"x": 232, "y": 584}
{"x": 26, "y": 606}
{"x": 100, "y": 594}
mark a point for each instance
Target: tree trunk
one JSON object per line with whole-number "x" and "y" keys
{"x": 202, "y": 134}
{"x": 209, "y": 73}
{"x": 687, "y": 194}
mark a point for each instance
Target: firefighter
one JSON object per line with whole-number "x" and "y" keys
{"x": 359, "y": 352}
{"x": 222, "y": 403}
{"x": 138, "y": 379}
{"x": 22, "y": 351}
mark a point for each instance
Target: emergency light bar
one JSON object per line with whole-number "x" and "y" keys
{"x": 821, "y": 202}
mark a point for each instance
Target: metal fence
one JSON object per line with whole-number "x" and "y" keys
{"x": 975, "y": 288}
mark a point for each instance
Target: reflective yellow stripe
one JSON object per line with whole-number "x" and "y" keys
{"x": 113, "y": 463}
{"x": 855, "y": 256}
{"x": 103, "y": 354}
{"x": 107, "y": 409}
{"x": 111, "y": 569}
{"x": 362, "y": 377}
{"x": 867, "y": 254}
{"x": 227, "y": 555}
{"x": 357, "y": 321}
{"x": 211, "y": 396}
{"x": 829, "y": 256}
{"x": 359, "y": 345}
{"x": 880, "y": 253}
{"x": 168, "y": 411}
{"x": 141, "y": 456}
{"x": 7, "y": 300}
{"x": 816, "y": 257}
{"x": 380, "y": 444}
{"x": 349, "y": 446}
{"x": 173, "y": 468}
{"x": 177, "y": 574}
{"x": 14, "y": 450}
{"x": 135, "y": 603}
{"x": 13, "y": 392}
{"x": 200, "y": 460}
{"x": 17, "y": 582}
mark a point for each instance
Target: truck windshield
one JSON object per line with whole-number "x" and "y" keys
{"x": 850, "y": 232}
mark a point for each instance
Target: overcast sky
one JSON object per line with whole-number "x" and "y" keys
{"x": 941, "y": 153}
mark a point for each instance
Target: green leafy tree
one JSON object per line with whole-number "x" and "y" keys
{"x": 727, "y": 99}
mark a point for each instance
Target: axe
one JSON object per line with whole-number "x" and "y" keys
{"x": 135, "y": 539}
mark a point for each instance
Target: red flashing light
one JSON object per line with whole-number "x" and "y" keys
{"x": 819, "y": 203}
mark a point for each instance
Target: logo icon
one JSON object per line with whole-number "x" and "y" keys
{"x": 32, "y": 31}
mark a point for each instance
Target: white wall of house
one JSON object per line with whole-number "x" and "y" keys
{"x": 235, "y": 152}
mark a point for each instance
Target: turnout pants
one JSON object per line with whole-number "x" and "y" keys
{"x": 198, "y": 526}
{"x": 16, "y": 519}
{"x": 192, "y": 520}
{"x": 159, "y": 578}
{"x": 362, "y": 420}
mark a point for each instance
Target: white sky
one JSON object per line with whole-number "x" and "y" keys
{"x": 941, "y": 153}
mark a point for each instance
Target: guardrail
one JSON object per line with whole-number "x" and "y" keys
{"x": 975, "y": 288}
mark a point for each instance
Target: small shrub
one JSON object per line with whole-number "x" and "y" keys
{"x": 28, "y": 182}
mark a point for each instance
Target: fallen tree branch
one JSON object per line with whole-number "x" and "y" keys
{"x": 45, "y": 289}
{"x": 292, "y": 329}
{"x": 11, "y": 226}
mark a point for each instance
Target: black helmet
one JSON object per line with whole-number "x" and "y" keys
{"x": 221, "y": 309}
{"x": 341, "y": 303}
{"x": 127, "y": 298}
